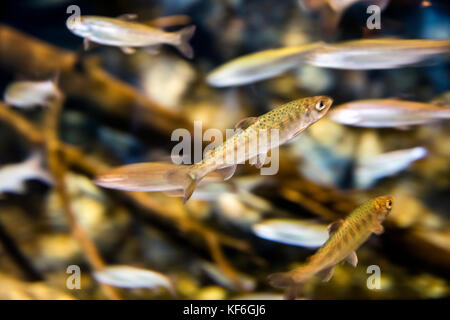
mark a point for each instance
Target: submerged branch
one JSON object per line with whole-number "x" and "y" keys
{"x": 57, "y": 168}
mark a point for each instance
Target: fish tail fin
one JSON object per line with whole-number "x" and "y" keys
{"x": 183, "y": 46}
{"x": 291, "y": 281}
{"x": 185, "y": 177}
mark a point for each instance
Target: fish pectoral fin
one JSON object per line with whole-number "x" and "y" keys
{"x": 352, "y": 258}
{"x": 128, "y": 17}
{"x": 245, "y": 123}
{"x": 258, "y": 160}
{"x": 153, "y": 49}
{"x": 377, "y": 229}
{"x": 189, "y": 190}
{"x": 333, "y": 227}
{"x": 326, "y": 274}
{"x": 227, "y": 172}
{"x": 128, "y": 50}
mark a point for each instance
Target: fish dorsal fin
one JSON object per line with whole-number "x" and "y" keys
{"x": 326, "y": 274}
{"x": 352, "y": 258}
{"x": 227, "y": 172}
{"x": 245, "y": 123}
{"x": 128, "y": 17}
{"x": 332, "y": 227}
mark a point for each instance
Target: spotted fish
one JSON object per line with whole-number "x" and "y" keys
{"x": 254, "y": 138}
{"x": 345, "y": 237}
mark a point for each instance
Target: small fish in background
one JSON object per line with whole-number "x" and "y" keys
{"x": 245, "y": 281}
{"x": 346, "y": 236}
{"x": 259, "y": 66}
{"x": 387, "y": 113}
{"x": 369, "y": 170}
{"x": 145, "y": 177}
{"x": 123, "y": 276}
{"x": 29, "y": 94}
{"x": 13, "y": 176}
{"x": 289, "y": 119}
{"x": 383, "y": 53}
{"x": 126, "y": 34}
{"x": 301, "y": 233}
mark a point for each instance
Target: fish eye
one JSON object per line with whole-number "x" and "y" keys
{"x": 389, "y": 204}
{"x": 320, "y": 105}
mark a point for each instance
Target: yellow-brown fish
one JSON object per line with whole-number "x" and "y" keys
{"x": 384, "y": 53}
{"x": 260, "y": 65}
{"x": 129, "y": 34}
{"x": 345, "y": 237}
{"x": 255, "y": 137}
{"x": 384, "y": 113}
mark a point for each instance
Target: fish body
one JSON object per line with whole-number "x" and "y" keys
{"x": 369, "y": 54}
{"x": 28, "y": 94}
{"x": 287, "y": 121}
{"x": 123, "y": 276}
{"x": 260, "y": 65}
{"x": 345, "y": 237}
{"x": 13, "y": 176}
{"x": 128, "y": 34}
{"x": 293, "y": 232}
{"x": 369, "y": 170}
{"x": 385, "y": 113}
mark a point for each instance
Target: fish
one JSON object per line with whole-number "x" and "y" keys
{"x": 346, "y": 236}
{"x": 294, "y": 232}
{"x": 287, "y": 120}
{"x": 126, "y": 34}
{"x": 145, "y": 177}
{"x": 369, "y": 170}
{"x": 246, "y": 282}
{"x": 259, "y": 66}
{"x": 387, "y": 113}
{"x": 124, "y": 276}
{"x": 380, "y": 53}
{"x": 13, "y": 176}
{"x": 29, "y": 94}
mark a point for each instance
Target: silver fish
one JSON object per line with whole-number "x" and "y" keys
{"x": 369, "y": 170}
{"x": 13, "y": 176}
{"x": 260, "y": 65}
{"x": 123, "y": 276}
{"x": 369, "y": 54}
{"x": 384, "y": 113}
{"x": 294, "y": 232}
{"x": 28, "y": 94}
{"x": 248, "y": 283}
{"x": 129, "y": 35}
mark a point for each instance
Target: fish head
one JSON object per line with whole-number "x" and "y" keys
{"x": 317, "y": 107}
{"x": 79, "y": 26}
{"x": 383, "y": 205}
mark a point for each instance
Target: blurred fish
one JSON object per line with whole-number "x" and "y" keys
{"x": 370, "y": 170}
{"x": 345, "y": 237}
{"x": 123, "y": 276}
{"x": 293, "y": 232}
{"x": 260, "y": 65}
{"x": 28, "y": 94}
{"x": 385, "y": 113}
{"x": 442, "y": 99}
{"x": 369, "y": 54}
{"x": 147, "y": 176}
{"x": 246, "y": 282}
{"x": 13, "y": 176}
{"x": 289, "y": 120}
{"x": 128, "y": 35}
